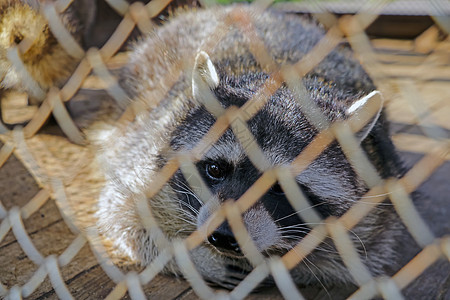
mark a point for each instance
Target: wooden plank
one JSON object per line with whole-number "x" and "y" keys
{"x": 309, "y": 292}
{"x": 393, "y": 45}
{"x": 428, "y": 40}
{"x": 16, "y": 184}
{"x": 47, "y": 215}
{"x": 441, "y": 116}
{"x": 18, "y": 188}
{"x": 18, "y": 115}
{"x": 430, "y": 73}
{"x": 84, "y": 277}
{"x": 416, "y": 143}
{"x": 82, "y": 265}
{"x": 15, "y": 108}
{"x": 399, "y": 59}
{"x": 17, "y": 268}
{"x": 411, "y": 58}
{"x": 93, "y": 283}
{"x": 434, "y": 95}
{"x": 266, "y": 294}
{"x": 165, "y": 287}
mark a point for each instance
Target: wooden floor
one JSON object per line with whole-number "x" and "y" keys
{"x": 84, "y": 276}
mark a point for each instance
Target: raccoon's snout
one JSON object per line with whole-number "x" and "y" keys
{"x": 223, "y": 239}
{"x": 261, "y": 228}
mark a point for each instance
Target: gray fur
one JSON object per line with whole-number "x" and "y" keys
{"x": 133, "y": 154}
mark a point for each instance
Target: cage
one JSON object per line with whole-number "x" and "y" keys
{"x": 50, "y": 244}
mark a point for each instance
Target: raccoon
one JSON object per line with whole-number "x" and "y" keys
{"x": 46, "y": 61}
{"x": 132, "y": 154}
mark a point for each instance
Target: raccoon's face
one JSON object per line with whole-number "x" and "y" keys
{"x": 281, "y": 131}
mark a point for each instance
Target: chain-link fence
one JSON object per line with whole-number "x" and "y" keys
{"x": 50, "y": 243}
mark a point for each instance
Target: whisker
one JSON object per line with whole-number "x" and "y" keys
{"x": 293, "y": 227}
{"x": 377, "y": 195}
{"x": 314, "y": 274}
{"x": 306, "y": 261}
{"x": 299, "y": 211}
{"x": 331, "y": 250}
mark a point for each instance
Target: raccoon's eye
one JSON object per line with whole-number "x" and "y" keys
{"x": 276, "y": 189}
{"x": 215, "y": 171}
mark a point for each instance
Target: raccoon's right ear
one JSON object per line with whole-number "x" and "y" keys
{"x": 361, "y": 107}
{"x": 204, "y": 80}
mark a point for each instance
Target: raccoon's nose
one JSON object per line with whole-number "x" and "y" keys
{"x": 223, "y": 239}
{"x": 225, "y": 242}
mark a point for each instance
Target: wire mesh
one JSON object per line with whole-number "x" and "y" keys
{"x": 69, "y": 180}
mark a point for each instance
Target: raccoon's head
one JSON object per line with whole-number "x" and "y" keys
{"x": 281, "y": 131}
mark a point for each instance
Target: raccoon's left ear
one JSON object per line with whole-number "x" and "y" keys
{"x": 357, "y": 109}
{"x": 204, "y": 77}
